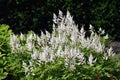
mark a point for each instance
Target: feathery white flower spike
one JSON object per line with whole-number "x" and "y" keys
{"x": 91, "y": 27}
{"x": 91, "y": 60}
{"x": 22, "y": 37}
{"x": 82, "y": 30}
{"x": 60, "y": 14}
{"x": 24, "y": 65}
{"x": 14, "y": 43}
{"x": 54, "y": 18}
{"x": 35, "y": 54}
{"x": 110, "y": 51}
{"x": 106, "y": 36}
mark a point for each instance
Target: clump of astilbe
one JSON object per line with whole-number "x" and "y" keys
{"x": 67, "y": 28}
{"x": 63, "y": 48}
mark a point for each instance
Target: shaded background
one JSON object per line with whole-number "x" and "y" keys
{"x": 36, "y": 15}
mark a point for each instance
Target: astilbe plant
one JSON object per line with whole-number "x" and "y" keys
{"x": 65, "y": 53}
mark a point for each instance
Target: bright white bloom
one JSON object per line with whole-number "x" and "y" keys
{"x": 47, "y": 34}
{"x": 91, "y": 28}
{"x": 14, "y": 43}
{"x": 24, "y": 65}
{"x": 110, "y": 52}
{"x": 82, "y": 31}
{"x": 72, "y": 67}
{"x": 46, "y": 55}
{"x": 91, "y": 60}
{"x": 80, "y": 58}
{"x": 106, "y": 37}
{"x": 100, "y": 29}
{"x": 103, "y": 32}
{"x": 71, "y": 55}
{"x": 35, "y": 54}
{"x": 60, "y": 14}
{"x": 30, "y": 45}
{"x": 22, "y": 37}
{"x": 29, "y": 42}
{"x": 54, "y": 18}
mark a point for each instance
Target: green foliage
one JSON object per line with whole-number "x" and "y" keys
{"x": 9, "y": 65}
{"x": 3, "y": 62}
{"x": 14, "y": 67}
{"x": 5, "y": 33}
{"x": 5, "y": 38}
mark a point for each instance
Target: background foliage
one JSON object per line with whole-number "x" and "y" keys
{"x": 36, "y": 15}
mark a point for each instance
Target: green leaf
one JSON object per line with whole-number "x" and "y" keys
{"x": 3, "y": 75}
{"x": 107, "y": 74}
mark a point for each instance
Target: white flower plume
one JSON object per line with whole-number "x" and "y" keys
{"x": 66, "y": 41}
